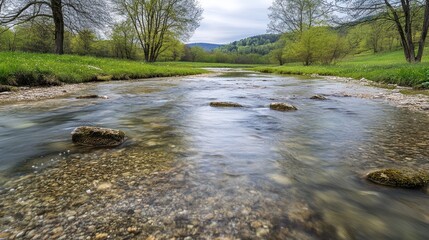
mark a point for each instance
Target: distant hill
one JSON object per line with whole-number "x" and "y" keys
{"x": 206, "y": 46}
{"x": 261, "y": 44}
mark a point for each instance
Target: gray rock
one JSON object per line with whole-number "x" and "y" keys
{"x": 282, "y": 107}
{"x": 97, "y": 137}
{"x": 318, "y": 97}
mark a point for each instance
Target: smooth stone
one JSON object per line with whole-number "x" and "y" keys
{"x": 225, "y": 104}
{"x": 403, "y": 178}
{"x": 280, "y": 179}
{"x": 101, "y": 236}
{"x": 98, "y": 137}
{"x": 282, "y": 107}
{"x": 319, "y": 97}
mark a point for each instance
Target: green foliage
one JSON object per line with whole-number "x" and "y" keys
{"x": 318, "y": 44}
{"x": 7, "y": 40}
{"x": 83, "y": 42}
{"x": 48, "y": 69}
{"x": 35, "y": 37}
{"x": 387, "y": 68}
{"x": 173, "y": 50}
{"x": 124, "y": 41}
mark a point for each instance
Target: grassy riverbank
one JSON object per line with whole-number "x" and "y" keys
{"x": 30, "y": 69}
{"x": 387, "y": 67}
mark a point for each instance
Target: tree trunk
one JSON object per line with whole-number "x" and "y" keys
{"x": 424, "y": 33}
{"x": 57, "y": 14}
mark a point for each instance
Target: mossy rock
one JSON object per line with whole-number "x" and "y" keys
{"x": 225, "y": 104}
{"x": 97, "y": 137}
{"x": 403, "y": 178}
{"x": 283, "y": 107}
{"x": 319, "y": 97}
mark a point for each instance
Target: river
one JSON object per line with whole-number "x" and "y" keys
{"x": 249, "y": 173}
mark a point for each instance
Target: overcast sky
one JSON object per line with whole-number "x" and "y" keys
{"x": 226, "y": 21}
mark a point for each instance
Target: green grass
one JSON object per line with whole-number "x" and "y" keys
{"x": 32, "y": 69}
{"x": 386, "y": 68}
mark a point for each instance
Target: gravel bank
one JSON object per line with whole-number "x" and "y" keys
{"x": 371, "y": 90}
{"x": 40, "y": 93}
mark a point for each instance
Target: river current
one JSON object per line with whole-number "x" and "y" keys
{"x": 249, "y": 173}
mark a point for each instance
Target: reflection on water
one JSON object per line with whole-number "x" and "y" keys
{"x": 246, "y": 173}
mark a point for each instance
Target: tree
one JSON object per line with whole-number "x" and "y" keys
{"x": 7, "y": 40}
{"x": 296, "y": 15}
{"x": 83, "y": 42}
{"x": 31, "y": 37}
{"x": 405, "y": 14}
{"x": 318, "y": 44}
{"x": 72, "y": 14}
{"x": 277, "y": 54}
{"x": 124, "y": 40}
{"x": 156, "y": 20}
{"x": 174, "y": 50}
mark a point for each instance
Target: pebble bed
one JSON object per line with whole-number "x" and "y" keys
{"x": 135, "y": 194}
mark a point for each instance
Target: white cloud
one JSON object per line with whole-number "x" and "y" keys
{"x": 227, "y": 21}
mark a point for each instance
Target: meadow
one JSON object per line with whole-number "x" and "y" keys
{"x": 31, "y": 69}
{"x": 388, "y": 68}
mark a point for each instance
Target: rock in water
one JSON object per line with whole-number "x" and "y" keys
{"x": 91, "y": 96}
{"x": 283, "y": 107}
{"x": 225, "y": 104}
{"x": 97, "y": 137}
{"x": 318, "y": 97}
{"x": 403, "y": 178}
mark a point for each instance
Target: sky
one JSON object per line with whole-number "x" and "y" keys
{"x": 225, "y": 21}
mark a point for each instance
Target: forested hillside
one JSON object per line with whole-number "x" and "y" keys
{"x": 261, "y": 44}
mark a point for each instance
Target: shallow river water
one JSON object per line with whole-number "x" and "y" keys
{"x": 191, "y": 171}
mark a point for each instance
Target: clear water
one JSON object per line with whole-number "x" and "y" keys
{"x": 275, "y": 163}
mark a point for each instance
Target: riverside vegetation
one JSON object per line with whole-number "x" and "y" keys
{"x": 31, "y": 69}
{"x": 386, "y": 68}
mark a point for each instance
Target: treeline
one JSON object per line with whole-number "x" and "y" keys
{"x": 326, "y": 45}
{"x": 316, "y": 37}
{"x": 38, "y": 36}
{"x": 252, "y": 50}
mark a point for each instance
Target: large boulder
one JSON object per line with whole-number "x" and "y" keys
{"x": 225, "y": 104}
{"x": 403, "y": 178}
{"x": 97, "y": 137}
{"x": 279, "y": 106}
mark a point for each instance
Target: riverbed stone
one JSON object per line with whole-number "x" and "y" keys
{"x": 225, "y": 104}
{"x": 319, "y": 97}
{"x": 402, "y": 178}
{"x": 280, "y": 106}
{"x": 98, "y": 137}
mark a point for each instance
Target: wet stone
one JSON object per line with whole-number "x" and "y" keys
{"x": 319, "y": 97}
{"x": 98, "y": 137}
{"x": 403, "y": 178}
{"x": 279, "y": 106}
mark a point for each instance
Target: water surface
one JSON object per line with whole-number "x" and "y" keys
{"x": 246, "y": 172}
